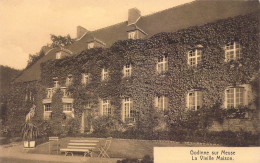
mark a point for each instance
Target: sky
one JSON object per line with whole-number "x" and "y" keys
{"x": 26, "y": 25}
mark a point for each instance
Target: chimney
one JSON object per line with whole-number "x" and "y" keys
{"x": 133, "y": 15}
{"x": 81, "y": 31}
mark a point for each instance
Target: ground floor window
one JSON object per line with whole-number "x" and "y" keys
{"x": 106, "y": 107}
{"x": 235, "y": 97}
{"x": 129, "y": 111}
{"x": 161, "y": 103}
{"x": 194, "y": 100}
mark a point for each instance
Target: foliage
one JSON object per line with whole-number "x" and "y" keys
{"x": 60, "y": 41}
{"x": 33, "y": 58}
{"x": 146, "y": 159}
{"x": 30, "y": 131}
{"x": 212, "y": 76}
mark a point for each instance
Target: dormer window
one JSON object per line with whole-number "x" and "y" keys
{"x": 90, "y": 45}
{"x": 232, "y": 51}
{"x": 85, "y": 78}
{"x": 132, "y": 35}
{"x": 194, "y": 57}
{"x": 58, "y": 55}
{"x": 162, "y": 64}
{"x": 69, "y": 80}
{"x": 104, "y": 74}
{"x": 56, "y": 83}
{"x": 127, "y": 70}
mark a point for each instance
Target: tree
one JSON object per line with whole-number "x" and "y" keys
{"x": 60, "y": 41}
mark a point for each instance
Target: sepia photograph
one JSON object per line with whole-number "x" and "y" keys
{"x": 129, "y": 81}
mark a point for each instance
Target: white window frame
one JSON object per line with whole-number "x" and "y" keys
{"x": 85, "y": 78}
{"x": 162, "y": 64}
{"x": 47, "y": 113}
{"x": 56, "y": 83}
{"x": 234, "y": 103}
{"x": 106, "y": 107}
{"x": 49, "y": 92}
{"x": 161, "y": 103}
{"x": 127, "y": 70}
{"x": 196, "y": 55}
{"x": 69, "y": 81}
{"x": 105, "y": 74}
{"x": 132, "y": 35}
{"x": 58, "y": 55}
{"x": 129, "y": 112}
{"x": 91, "y": 45}
{"x": 235, "y": 49}
{"x": 67, "y": 107}
{"x": 197, "y": 99}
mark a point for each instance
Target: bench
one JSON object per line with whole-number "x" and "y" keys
{"x": 81, "y": 146}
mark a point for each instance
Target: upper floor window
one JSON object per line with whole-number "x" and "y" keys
{"x": 58, "y": 55}
{"x": 105, "y": 74}
{"x": 162, "y": 64}
{"x": 69, "y": 80}
{"x": 235, "y": 96}
{"x": 194, "y": 57}
{"x": 90, "y": 45}
{"x": 132, "y": 35}
{"x": 49, "y": 92}
{"x": 85, "y": 78}
{"x": 106, "y": 107}
{"x": 129, "y": 112}
{"x": 161, "y": 102}
{"x": 67, "y": 107}
{"x": 232, "y": 51}
{"x": 127, "y": 70}
{"x": 194, "y": 100}
{"x": 47, "y": 111}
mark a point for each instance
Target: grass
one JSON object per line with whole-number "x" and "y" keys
{"x": 120, "y": 148}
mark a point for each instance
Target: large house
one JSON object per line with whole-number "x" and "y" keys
{"x": 160, "y": 68}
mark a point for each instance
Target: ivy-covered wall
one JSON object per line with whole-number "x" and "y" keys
{"x": 212, "y": 76}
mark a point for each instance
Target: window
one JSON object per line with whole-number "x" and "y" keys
{"x": 69, "y": 81}
{"x": 58, "y": 55}
{"x": 47, "y": 107}
{"x": 127, "y": 70}
{"x": 106, "y": 107}
{"x": 194, "y": 100}
{"x": 162, "y": 64}
{"x": 235, "y": 96}
{"x": 85, "y": 78}
{"x": 194, "y": 57}
{"x": 132, "y": 35}
{"x": 65, "y": 92}
{"x": 105, "y": 74}
{"x": 161, "y": 102}
{"x": 67, "y": 107}
{"x": 47, "y": 111}
{"x": 56, "y": 84}
{"x": 129, "y": 112}
{"x": 87, "y": 105}
{"x": 232, "y": 51}
{"x": 90, "y": 45}
{"x": 49, "y": 92}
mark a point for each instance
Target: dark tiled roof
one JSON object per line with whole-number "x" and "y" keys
{"x": 191, "y": 14}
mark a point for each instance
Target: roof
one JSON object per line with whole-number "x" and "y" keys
{"x": 170, "y": 20}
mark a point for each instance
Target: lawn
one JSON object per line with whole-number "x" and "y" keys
{"x": 120, "y": 148}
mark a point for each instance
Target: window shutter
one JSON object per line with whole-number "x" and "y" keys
{"x": 166, "y": 103}
{"x": 100, "y": 107}
{"x": 225, "y": 99}
{"x": 166, "y": 64}
{"x": 156, "y": 101}
{"x": 109, "y": 107}
{"x": 124, "y": 71}
{"x": 122, "y": 111}
{"x": 187, "y": 100}
{"x": 247, "y": 95}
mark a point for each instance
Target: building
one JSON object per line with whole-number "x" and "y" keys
{"x": 186, "y": 57}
